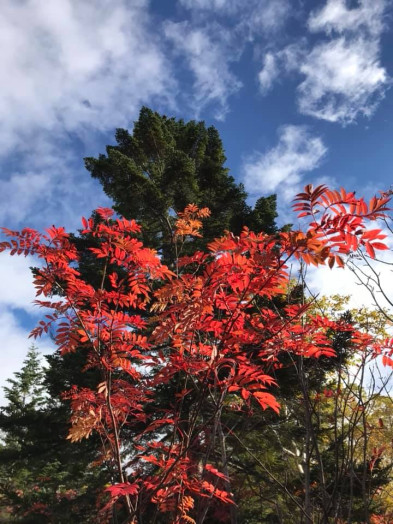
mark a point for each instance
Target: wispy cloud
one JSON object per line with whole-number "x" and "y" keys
{"x": 229, "y": 6}
{"x": 269, "y": 72}
{"x": 208, "y": 59}
{"x": 268, "y": 17}
{"x": 335, "y": 16}
{"x": 16, "y": 288}
{"x": 258, "y": 17}
{"x": 70, "y": 65}
{"x": 343, "y": 77}
{"x": 70, "y": 71}
{"x": 278, "y": 64}
{"x": 49, "y": 185}
{"x": 211, "y": 48}
{"x": 281, "y": 168}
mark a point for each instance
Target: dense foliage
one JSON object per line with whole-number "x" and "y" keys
{"x": 210, "y": 326}
{"x": 163, "y": 165}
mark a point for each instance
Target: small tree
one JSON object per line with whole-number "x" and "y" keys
{"x": 25, "y": 396}
{"x": 36, "y": 486}
{"x": 26, "y": 391}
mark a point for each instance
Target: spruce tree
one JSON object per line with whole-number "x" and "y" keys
{"x": 43, "y": 477}
{"x": 25, "y": 396}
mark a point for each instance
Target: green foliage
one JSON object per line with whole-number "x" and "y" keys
{"x": 25, "y": 396}
{"x": 165, "y": 164}
{"x": 43, "y": 477}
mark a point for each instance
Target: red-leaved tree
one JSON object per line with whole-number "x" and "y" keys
{"x": 208, "y": 326}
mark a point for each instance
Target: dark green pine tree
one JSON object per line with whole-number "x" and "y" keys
{"x": 165, "y": 164}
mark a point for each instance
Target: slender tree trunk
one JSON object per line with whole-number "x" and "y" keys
{"x": 233, "y": 508}
{"x": 117, "y": 443}
{"x": 307, "y": 478}
{"x": 307, "y": 446}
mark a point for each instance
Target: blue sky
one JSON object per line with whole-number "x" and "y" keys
{"x": 299, "y": 90}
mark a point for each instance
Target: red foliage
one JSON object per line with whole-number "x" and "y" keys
{"x": 213, "y": 334}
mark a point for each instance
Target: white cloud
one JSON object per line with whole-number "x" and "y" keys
{"x": 268, "y": 73}
{"x": 279, "y": 63}
{"x": 325, "y": 281}
{"x": 281, "y": 168}
{"x": 208, "y": 60}
{"x": 68, "y": 65}
{"x": 16, "y": 287}
{"x": 50, "y": 186}
{"x": 254, "y": 17}
{"x": 267, "y": 17}
{"x": 227, "y": 5}
{"x": 216, "y": 35}
{"x": 343, "y": 79}
{"x": 336, "y": 16}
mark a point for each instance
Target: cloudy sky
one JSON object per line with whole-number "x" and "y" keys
{"x": 298, "y": 89}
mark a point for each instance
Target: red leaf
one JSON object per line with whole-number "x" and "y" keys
{"x": 379, "y": 245}
{"x": 266, "y": 400}
{"x": 370, "y": 250}
{"x": 119, "y": 490}
{"x": 104, "y": 212}
{"x": 211, "y": 469}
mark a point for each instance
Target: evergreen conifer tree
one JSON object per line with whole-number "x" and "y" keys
{"x": 165, "y": 164}
{"x": 25, "y": 396}
{"x": 43, "y": 477}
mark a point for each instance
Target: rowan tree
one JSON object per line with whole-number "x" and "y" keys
{"x": 152, "y": 172}
{"x": 207, "y": 314}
